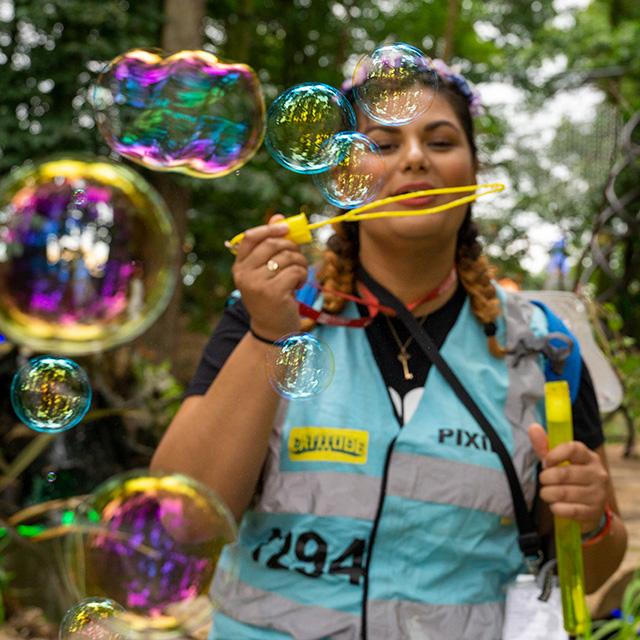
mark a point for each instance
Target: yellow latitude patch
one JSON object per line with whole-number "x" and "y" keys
{"x": 325, "y": 444}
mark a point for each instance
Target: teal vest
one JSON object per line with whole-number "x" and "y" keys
{"x": 410, "y": 529}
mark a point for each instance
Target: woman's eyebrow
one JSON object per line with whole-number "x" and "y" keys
{"x": 441, "y": 123}
{"x": 430, "y": 127}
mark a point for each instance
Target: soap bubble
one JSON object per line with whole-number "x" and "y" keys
{"x": 188, "y": 112}
{"x": 90, "y": 620}
{"x": 301, "y": 120}
{"x": 356, "y": 173}
{"x": 79, "y": 197}
{"x": 81, "y": 279}
{"x": 300, "y": 366}
{"x": 395, "y": 84}
{"x": 51, "y": 476}
{"x": 50, "y": 394}
{"x": 152, "y": 541}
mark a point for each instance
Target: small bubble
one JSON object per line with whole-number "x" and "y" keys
{"x": 80, "y": 197}
{"x": 89, "y": 620}
{"x": 50, "y": 394}
{"x": 51, "y": 476}
{"x": 395, "y": 84}
{"x": 300, "y": 366}
{"x": 301, "y": 120}
{"x": 356, "y": 170}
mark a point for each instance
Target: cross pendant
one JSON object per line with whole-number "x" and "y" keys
{"x": 403, "y": 356}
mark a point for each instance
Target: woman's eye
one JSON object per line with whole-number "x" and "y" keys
{"x": 441, "y": 143}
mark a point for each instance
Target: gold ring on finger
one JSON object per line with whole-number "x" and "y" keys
{"x": 272, "y": 266}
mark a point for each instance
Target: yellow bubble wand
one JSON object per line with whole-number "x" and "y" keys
{"x": 567, "y": 532}
{"x": 300, "y": 228}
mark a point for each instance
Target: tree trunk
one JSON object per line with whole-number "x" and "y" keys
{"x": 453, "y": 9}
{"x": 182, "y": 30}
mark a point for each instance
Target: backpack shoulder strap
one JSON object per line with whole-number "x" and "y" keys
{"x": 573, "y": 363}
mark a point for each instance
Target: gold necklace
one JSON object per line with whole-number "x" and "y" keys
{"x": 403, "y": 355}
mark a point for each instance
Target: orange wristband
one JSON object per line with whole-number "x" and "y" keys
{"x": 601, "y": 531}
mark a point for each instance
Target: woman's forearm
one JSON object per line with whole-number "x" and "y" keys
{"x": 221, "y": 438}
{"x": 603, "y": 558}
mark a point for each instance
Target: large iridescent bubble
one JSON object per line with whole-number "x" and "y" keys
{"x": 188, "y": 112}
{"x": 152, "y": 542}
{"x": 87, "y": 253}
{"x": 301, "y": 120}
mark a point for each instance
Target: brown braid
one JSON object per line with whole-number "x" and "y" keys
{"x": 475, "y": 274}
{"x": 338, "y": 269}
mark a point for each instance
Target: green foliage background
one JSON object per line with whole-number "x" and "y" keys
{"x": 51, "y": 52}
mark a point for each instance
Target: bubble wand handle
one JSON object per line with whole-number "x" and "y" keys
{"x": 567, "y": 532}
{"x": 300, "y": 228}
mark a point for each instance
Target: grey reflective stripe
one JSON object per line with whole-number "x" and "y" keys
{"x": 321, "y": 493}
{"x": 526, "y": 388}
{"x": 444, "y": 481}
{"x": 399, "y": 620}
{"x": 268, "y": 610}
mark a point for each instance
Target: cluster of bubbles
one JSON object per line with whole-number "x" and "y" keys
{"x": 50, "y": 395}
{"x": 141, "y": 554}
{"x": 87, "y": 251}
{"x": 191, "y": 112}
{"x": 87, "y": 246}
{"x": 310, "y": 127}
{"x": 300, "y": 366}
{"x": 188, "y": 112}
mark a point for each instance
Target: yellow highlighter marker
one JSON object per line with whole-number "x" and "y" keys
{"x": 567, "y": 532}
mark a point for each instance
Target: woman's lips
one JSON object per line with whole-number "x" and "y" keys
{"x": 420, "y": 201}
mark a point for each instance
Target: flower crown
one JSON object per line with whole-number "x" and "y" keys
{"x": 446, "y": 73}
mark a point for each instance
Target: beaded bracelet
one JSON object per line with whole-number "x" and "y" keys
{"x": 593, "y": 537}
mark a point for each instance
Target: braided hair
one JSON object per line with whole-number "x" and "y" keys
{"x": 340, "y": 259}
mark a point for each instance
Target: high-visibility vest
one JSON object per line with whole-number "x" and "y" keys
{"x": 408, "y": 532}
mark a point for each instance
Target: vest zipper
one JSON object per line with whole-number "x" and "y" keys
{"x": 383, "y": 493}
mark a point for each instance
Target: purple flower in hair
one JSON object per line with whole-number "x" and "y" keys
{"x": 448, "y": 74}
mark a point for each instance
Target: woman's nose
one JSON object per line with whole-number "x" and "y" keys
{"x": 415, "y": 158}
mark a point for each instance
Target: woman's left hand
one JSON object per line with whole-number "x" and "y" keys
{"x": 577, "y": 490}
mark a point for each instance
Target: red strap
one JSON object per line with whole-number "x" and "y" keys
{"x": 322, "y": 317}
{"x": 372, "y": 303}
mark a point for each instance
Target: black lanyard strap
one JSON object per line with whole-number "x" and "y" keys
{"x": 529, "y": 540}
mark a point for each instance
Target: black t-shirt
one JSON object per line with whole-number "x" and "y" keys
{"x": 404, "y": 393}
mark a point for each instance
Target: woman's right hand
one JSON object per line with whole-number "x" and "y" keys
{"x": 270, "y": 294}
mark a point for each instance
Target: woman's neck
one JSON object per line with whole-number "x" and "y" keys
{"x": 412, "y": 275}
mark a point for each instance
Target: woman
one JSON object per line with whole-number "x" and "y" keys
{"x": 378, "y": 509}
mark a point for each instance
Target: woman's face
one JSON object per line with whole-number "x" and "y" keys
{"x": 429, "y": 153}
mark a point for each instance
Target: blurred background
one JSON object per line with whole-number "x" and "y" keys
{"x": 560, "y": 82}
